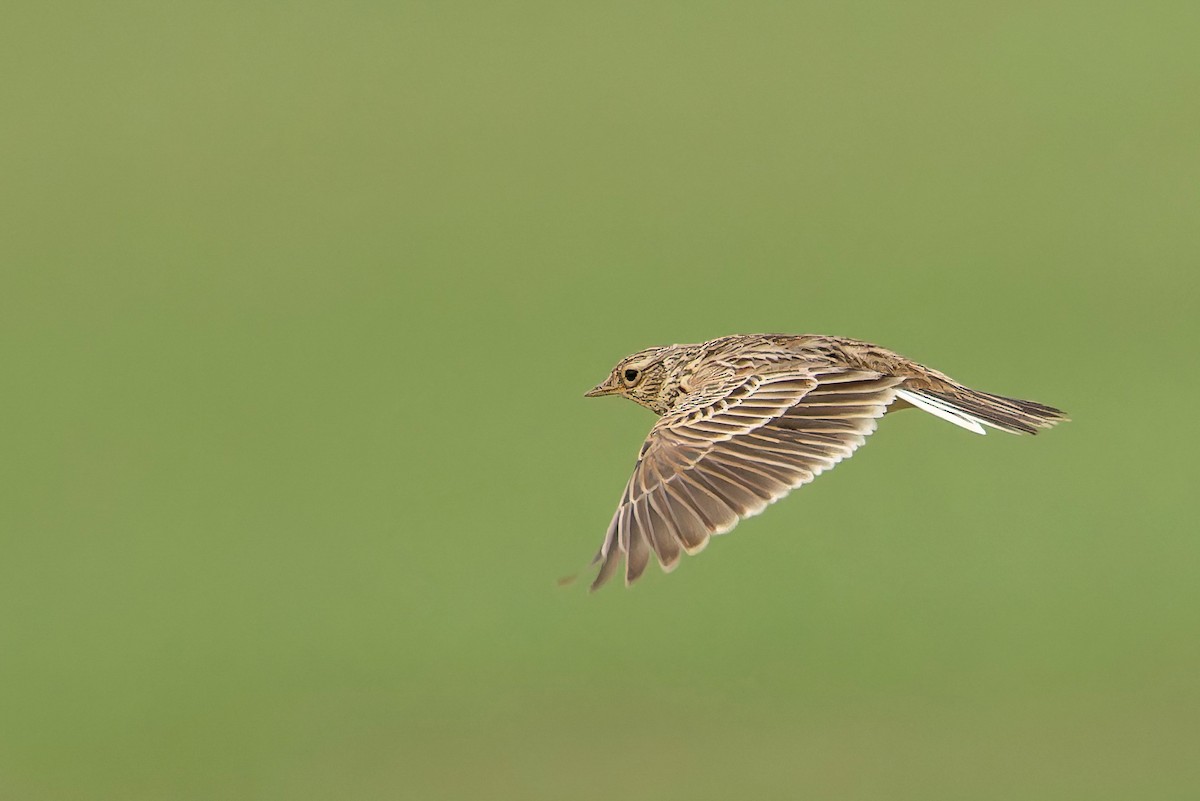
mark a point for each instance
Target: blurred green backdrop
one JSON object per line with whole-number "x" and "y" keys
{"x": 299, "y": 301}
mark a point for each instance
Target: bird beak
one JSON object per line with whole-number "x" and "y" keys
{"x": 605, "y": 387}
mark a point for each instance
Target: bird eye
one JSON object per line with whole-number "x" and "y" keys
{"x": 631, "y": 376}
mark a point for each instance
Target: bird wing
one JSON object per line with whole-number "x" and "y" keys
{"x": 711, "y": 463}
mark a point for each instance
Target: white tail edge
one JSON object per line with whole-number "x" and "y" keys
{"x": 939, "y": 408}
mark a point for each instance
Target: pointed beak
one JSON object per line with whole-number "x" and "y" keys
{"x": 606, "y": 387}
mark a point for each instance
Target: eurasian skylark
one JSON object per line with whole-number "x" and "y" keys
{"x": 746, "y": 419}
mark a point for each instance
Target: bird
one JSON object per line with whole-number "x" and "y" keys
{"x": 745, "y": 419}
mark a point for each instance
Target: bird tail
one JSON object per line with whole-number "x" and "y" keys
{"x": 973, "y": 409}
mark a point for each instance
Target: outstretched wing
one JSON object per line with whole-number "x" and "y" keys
{"x": 707, "y": 466}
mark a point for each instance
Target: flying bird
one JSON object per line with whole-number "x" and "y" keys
{"x": 745, "y": 419}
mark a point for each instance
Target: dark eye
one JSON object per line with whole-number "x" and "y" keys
{"x": 631, "y": 376}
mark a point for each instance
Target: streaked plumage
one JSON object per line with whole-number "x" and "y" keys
{"x": 746, "y": 419}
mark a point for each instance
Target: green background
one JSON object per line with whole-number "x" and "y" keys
{"x": 299, "y": 301}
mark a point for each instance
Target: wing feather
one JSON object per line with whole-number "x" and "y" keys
{"x": 728, "y": 452}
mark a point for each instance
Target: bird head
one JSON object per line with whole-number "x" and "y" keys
{"x": 643, "y": 377}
